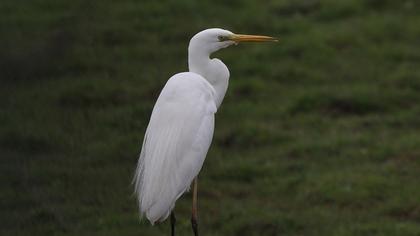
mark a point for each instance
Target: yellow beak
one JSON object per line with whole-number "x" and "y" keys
{"x": 252, "y": 38}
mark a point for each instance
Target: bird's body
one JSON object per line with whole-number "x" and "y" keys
{"x": 176, "y": 143}
{"x": 181, "y": 126}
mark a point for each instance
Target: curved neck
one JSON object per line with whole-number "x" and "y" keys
{"x": 198, "y": 59}
{"x": 213, "y": 70}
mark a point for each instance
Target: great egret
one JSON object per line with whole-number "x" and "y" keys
{"x": 181, "y": 127}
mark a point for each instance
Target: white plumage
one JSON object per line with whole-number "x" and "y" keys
{"x": 181, "y": 126}
{"x": 175, "y": 145}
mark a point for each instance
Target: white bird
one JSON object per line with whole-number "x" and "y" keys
{"x": 181, "y": 127}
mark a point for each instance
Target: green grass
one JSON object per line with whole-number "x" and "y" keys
{"x": 318, "y": 134}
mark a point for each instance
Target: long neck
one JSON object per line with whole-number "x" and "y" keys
{"x": 213, "y": 70}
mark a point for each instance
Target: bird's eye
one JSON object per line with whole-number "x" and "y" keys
{"x": 222, "y": 38}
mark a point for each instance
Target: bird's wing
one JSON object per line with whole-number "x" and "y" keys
{"x": 175, "y": 145}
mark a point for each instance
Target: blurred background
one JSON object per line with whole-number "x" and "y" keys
{"x": 318, "y": 134}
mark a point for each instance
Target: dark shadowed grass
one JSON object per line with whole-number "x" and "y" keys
{"x": 318, "y": 134}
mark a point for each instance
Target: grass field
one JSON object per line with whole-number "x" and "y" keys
{"x": 318, "y": 134}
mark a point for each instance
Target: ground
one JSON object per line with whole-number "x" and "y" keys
{"x": 318, "y": 134}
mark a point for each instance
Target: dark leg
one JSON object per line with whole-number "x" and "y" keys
{"x": 173, "y": 221}
{"x": 194, "y": 208}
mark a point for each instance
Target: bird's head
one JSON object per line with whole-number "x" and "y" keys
{"x": 211, "y": 40}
